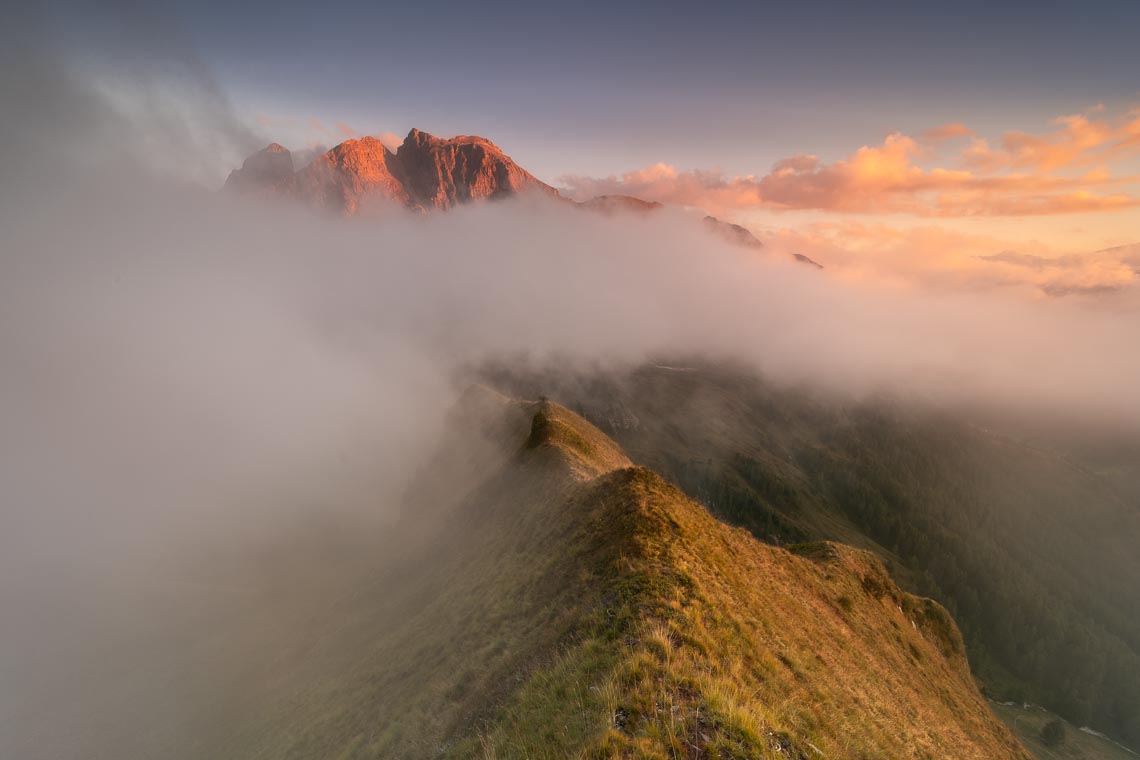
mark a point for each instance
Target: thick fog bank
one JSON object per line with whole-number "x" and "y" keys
{"x": 171, "y": 353}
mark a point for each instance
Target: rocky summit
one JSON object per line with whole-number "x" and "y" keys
{"x": 425, "y": 172}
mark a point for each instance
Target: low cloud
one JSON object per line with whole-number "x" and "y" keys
{"x": 150, "y": 325}
{"x": 933, "y": 258}
{"x": 1099, "y": 272}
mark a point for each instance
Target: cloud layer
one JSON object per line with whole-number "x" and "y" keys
{"x": 934, "y": 258}
{"x": 1026, "y": 175}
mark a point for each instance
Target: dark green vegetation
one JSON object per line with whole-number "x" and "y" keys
{"x": 1029, "y": 724}
{"x": 1034, "y": 553}
{"x": 564, "y": 603}
{"x": 1053, "y": 733}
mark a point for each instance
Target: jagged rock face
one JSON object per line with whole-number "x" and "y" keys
{"x": 353, "y": 172}
{"x": 440, "y": 173}
{"x": 265, "y": 170}
{"x": 425, "y": 172}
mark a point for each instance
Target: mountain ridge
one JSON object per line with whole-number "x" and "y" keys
{"x": 425, "y": 173}
{"x": 572, "y": 604}
{"x": 1030, "y": 550}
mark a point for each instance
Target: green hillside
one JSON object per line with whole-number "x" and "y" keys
{"x": 1031, "y": 551}
{"x": 573, "y": 605}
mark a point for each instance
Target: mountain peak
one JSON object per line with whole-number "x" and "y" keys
{"x": 264, "y": 170}
{"x": 440, "y": 173}
{"x": 360, "y": 150}
{"x": 424, "y": 172}
{"x": 354, "y": 171}
{"x": 428, "y": 172}
{"x": 586, "y": 450}
{"x": 418, "y": 137}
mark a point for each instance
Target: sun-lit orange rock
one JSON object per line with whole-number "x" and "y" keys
{"x": 351, "y": 173}
{"x": 440, "y": 173}
{"x": 425, "y": 172}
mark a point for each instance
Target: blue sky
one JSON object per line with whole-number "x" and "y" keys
{"x": 605, "y": 87}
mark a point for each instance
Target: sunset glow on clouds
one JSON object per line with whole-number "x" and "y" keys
{"x": 940, "y": 257}
{"x": 1054, "y": 213}
{"x": 1077, "y": 141}
{"x": 944, "y": 208}
{"x": 1063, "y": 171}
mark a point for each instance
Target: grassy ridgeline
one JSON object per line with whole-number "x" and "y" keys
{"x": 576, "y": 606}
{"x": 1032, "y": 551}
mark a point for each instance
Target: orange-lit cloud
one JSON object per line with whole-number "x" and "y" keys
{"x": 1077, "y": 140}
{"x": 939, "y": 258}
{"x": 1022, "y": 177}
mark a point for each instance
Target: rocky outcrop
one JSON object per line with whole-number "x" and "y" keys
{"x": 354, "y": 172}
{"x": 440, "y": 173}
{"x": 428, "y": 173}
{"x": 264, "y": 171}
{"x": 425, "y": 172}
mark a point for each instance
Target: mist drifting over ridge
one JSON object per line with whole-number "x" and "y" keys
{"x": 148, "y": 319}
{"x": 184, "y": 368}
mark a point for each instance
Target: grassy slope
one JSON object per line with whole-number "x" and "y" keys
{"x": 577, "y": 606}
{"x": 1019, "y": 542}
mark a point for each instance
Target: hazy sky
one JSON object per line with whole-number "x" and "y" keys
{"x": 599, "y": 87}
{"x": 950, "y": 134}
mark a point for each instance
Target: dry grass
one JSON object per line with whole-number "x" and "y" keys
{"x": 580, "y": 607}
